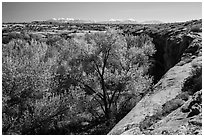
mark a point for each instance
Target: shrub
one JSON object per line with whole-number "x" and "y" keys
{"x": 149, "y": 121}
{"x": 196, "y": 28}
{"x": 5, "y": 39}
{"x": 184, "y": 96}
{"x": 29, "y": 104}
{"x": 194, "y": 82}
{"x": 171, "y": 105}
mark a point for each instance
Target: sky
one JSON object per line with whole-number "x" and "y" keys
{"x": 101, "y": 11}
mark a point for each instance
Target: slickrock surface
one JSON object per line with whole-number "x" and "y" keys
{"x": 162, "y": 111}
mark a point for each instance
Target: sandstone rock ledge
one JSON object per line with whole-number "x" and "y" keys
{"x": 149, "y": 116}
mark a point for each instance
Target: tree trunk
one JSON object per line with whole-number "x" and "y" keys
{"x": 107, "y": 110}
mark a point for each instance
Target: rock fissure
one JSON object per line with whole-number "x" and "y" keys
{"x": 169, "y": 53}
{"x": 172, "y": 65}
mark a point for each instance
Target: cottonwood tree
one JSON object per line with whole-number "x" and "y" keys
{"x": 109, "y": 65}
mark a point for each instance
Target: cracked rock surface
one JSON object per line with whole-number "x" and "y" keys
{"x": 167, "y": 109}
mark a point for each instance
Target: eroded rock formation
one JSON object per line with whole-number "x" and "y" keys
{"x": 167, "y": 109}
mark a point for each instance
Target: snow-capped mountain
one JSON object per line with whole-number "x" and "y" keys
{"x": 130, "y": 21}
{"x": 69, "y": 20}
{"x": 111, "y": 21}
{"x": 119, "y": 21}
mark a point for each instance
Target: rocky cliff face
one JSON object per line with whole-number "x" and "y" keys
{"x": 168, "y": 109}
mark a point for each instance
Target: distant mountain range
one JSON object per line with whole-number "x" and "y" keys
{"x": 152, "y": 22}
{"x": 111, "y": 21}
{"x": 70, "y": 20}
{"x": 116, "y": 21}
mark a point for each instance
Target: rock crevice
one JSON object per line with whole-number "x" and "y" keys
{"x": 169, "y": 52}
{"x": 173, "y": 66}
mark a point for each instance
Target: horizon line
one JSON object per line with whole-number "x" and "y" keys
{"x": 101, "y": 21}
